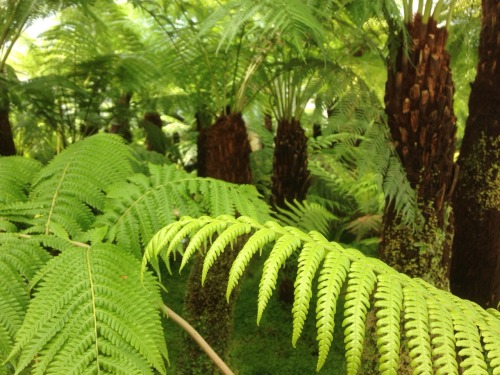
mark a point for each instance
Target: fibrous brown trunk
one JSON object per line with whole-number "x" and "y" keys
{"x": 290, "y": 178}
{"x": 7, "y": 147}
{"x": 223, "y": 153}
{"x": 475, "y": 269}
{"x": 419, "y": 106}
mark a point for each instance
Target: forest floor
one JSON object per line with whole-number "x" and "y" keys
{"x": 264, "y": 349}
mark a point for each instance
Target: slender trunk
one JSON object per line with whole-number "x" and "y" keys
{"x": 475, "y": 269}
{"x": 419, "y": 106}
{"x": 7, "y": 146}
{"x": 223, "y": 153}
{"x": 290, "y": 178}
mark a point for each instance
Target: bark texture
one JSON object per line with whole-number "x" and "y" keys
{"x": 223, "y": 153}
{"x": 290, "y": 179}
{"x": 7, "y": 147}
{"x": 419, "y": 106}
{"x": 475, "y": 270}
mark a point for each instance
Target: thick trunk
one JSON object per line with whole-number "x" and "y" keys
{"x": 7, "y": 147}
{"x": 223, "y": 153}
{"x": 224, "y": 150}
{"x": 475, "y": 270}
{"x": 419, "y": 106}
{"x": 290, "y": 178}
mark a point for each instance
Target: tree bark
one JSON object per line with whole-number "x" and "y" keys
{"x": 291, "y": 178}
{"x": 223, "y": 153}
{"x": 419, "y": 107}
{"x": 475, "y": 269}
{"x": 7, "y": 147}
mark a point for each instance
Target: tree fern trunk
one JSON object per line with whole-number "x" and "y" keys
{"x": 419, "y": 106}
{"x": 223, "y": 153}
{"x": 7, "y": 146}
{"x": 475, "y": 269}
{"x": 290, "y": 179}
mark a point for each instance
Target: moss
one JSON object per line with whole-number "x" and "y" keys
{"x": 483, "y": 169}
{"x": 424, "y": 253}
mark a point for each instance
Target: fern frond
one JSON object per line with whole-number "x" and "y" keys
{"x": 440, "y": 329}
{"x": 359, "y": 289}
{"x": 389, "y": 298}
{"x": 19, "y": 261}
{"x": 284, "y": 247}
{"x": 223, "y": 240}
{"x": 66, "y": 191}
{"x": 92, "y": 313}
{"x": 17, "y": 173}
{"x": 306, "y": 216}
{"x": 309, "y": 259}
{"x": 331, "y": 279}
{"x": 417, "y": 330}
{"x": 139, "y": 207}
{"x": 260, "y": 238}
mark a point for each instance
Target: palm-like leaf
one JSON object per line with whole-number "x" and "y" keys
{"x": 66, "y": 191}
{"x": 92, "y": 313}
{"x": 441, "y": 329}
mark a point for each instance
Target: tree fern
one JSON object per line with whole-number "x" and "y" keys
{"x": 91, "y": 312}
{"x": 441, "y": 330}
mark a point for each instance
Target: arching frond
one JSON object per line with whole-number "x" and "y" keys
{"x": 306, "y": 216}
{"x": 19, "y": 261}
{"x": 17, "y": 174}
{"x": 66, "y": 191}
{"x": 139, "y": 207}
{"x": 91, "y": 312}
{"x": 441, "y": 329}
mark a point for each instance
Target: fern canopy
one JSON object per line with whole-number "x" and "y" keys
{"x": 107, "y": 321}
{"x": 441, "y": 330}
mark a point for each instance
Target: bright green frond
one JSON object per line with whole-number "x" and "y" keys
{"x": 282, "y": 250}
{"x": 331, "y": 279}
{"x": 309, "y": 259}
{"x": 388, "y": 300}
{"x": 357, "y": 302}
{"x": 91, "y": 311}
{"x": 228, "y": 237}
{"x": 417, "y": 330}
{"x": 255, "y": 243}
{"x": 438, "y": 330}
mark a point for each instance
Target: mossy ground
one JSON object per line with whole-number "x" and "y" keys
{"x": 264, "y": 349}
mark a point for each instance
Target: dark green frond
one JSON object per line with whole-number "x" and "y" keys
{"x": 69, "y": 191}
{"x": 136, "y": 209}
{"x": 305, "y": 216}
{"x": 91, "y": 312}
{"x": 440, "y": 329}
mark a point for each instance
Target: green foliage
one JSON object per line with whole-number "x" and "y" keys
{"x": 442, "y": 330}
{"x": 71, "y": 235}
